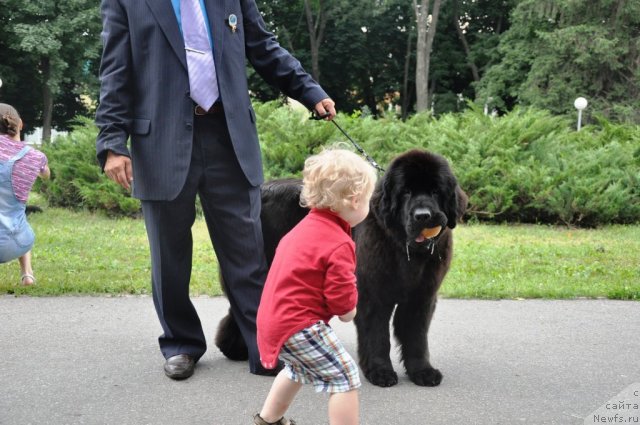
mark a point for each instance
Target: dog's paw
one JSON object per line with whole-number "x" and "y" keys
{"x": 382, "y": 377}
{"x": 426, "y": 378}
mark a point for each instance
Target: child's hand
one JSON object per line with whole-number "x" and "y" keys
{"x": 45, "y": 173}
{"x": 348, "y": 317}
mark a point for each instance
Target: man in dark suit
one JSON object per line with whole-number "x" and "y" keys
{"x": 186, "y": 143}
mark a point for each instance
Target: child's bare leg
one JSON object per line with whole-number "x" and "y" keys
{"x": 344, "y": 408}
{"x": 25, "y": 268}
{"x": 282, "y": 393}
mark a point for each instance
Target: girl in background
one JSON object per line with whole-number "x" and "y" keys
{"x": 20, "y": 165}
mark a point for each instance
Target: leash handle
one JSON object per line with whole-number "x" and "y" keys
{"x": 317, "y": 117}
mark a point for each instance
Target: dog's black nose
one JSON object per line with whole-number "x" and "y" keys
{"x": 421, "y": 214}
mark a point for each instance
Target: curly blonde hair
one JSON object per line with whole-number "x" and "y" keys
{"x": 334, "y": 177}
{"x": 9, "y": 120}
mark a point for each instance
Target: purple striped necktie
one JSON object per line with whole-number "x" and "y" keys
{"x": 203, "y": 82}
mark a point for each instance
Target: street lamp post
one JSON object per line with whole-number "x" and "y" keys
{"x": 580, "y": 104}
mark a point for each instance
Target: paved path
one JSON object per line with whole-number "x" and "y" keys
{"x": 88, "y": 360}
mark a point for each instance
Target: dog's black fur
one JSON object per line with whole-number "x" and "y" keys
{"x": 396, "y": 269}
{"x": 30, "y": 209}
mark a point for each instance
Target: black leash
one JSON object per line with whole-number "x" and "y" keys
{"x": 315, "y": 116}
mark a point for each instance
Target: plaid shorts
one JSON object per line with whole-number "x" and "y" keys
{"x": 316, "y": 356}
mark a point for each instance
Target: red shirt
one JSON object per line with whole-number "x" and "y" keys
{"x": 312, "y": 278}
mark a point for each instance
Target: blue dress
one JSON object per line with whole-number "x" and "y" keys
{"x": 16, "y": 235}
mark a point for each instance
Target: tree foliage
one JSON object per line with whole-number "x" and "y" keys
{"x": 362, "y": 55}
{"x": 49, "y": 58}
{"x": 557, "y": 50}
{"x": 367, "y": 60}
{"x": 504, "y": 53}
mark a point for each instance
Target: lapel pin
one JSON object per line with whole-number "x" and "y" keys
{"x": 233, "y": 22}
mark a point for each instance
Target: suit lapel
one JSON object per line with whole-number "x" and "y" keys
{"x": 217, "y": 23}
{"x": 163, "y": 12}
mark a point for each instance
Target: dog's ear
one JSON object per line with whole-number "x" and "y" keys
{"x": 455, "y": 205}
{"x": 388, "y": 199}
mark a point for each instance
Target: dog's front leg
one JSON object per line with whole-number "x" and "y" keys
{"x": 411, "y": 326}
{"x": 372, "y": 323}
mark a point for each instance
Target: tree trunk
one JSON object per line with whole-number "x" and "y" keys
{"x": 619, "y": 8}
{"x": 47, "y": 99}
{"x": 405, "y": 79}
{"x": 316, "y": 35}
{"x": 289, "y": 45}
{"x": 426, "y": 34}
{"x": 430, "y": 36}
{"x": 465, "y": 44}
{"x": 422, "y": 13}
{"x": 370, "y": 101}
{"x": 432, "y": 98}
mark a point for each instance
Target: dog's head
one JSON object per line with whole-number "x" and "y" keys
{"x": 418, "y": 197}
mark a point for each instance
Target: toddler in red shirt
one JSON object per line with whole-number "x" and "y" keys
{"x": 312, "y": 279}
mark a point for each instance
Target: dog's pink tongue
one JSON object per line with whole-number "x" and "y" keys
{"x": 420, "y": 238}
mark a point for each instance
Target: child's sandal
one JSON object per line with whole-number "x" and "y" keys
{"x": 27, "y": 276}
{"x": 257, "y": 420}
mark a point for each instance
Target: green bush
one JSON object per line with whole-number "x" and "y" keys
{"x": 527, "y": 166}
{"x": 286, "y": 138}
{"x": 76, "y": 179}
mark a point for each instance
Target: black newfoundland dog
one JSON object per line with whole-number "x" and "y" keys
{"x": 403, "y": 249}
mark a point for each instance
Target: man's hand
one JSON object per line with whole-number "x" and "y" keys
{"x": 118, "y": 168}
{"x": 326, "y": 106}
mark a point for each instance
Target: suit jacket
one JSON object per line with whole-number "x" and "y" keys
{"x": 144, "y": 91}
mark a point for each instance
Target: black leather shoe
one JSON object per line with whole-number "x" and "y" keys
{"x": 180, "y": 366}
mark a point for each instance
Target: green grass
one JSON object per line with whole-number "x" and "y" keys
{"x": 527, "y": 261}
{"x": 82, "y": 253}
